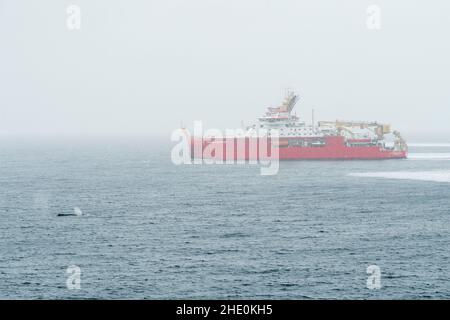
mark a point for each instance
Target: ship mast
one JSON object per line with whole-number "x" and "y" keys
{"x": 289, "y": 102}
{"x": 286, "y": 106}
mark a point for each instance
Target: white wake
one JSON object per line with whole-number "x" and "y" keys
{"x": 429, "y": 145}
{"x": 429, "y": 156}
{"x": 435, "y": 176}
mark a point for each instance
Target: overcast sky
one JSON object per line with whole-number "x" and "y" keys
{"x": 146, "y": 66}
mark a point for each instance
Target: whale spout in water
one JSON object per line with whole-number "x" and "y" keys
{"x": 77, "y": 211}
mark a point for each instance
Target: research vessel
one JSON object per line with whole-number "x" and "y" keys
{"x": 297, "y": 140}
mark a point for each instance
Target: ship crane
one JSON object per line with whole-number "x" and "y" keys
{"x": 379, "y": 129}
{"x": 400, "y": 143}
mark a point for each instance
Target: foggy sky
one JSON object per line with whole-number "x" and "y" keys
{"x": 145, "y": 67}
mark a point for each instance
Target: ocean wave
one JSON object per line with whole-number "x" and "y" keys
{"x": 435, "y": 176}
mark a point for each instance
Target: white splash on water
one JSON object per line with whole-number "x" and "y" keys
{"x": 435, "y": 176}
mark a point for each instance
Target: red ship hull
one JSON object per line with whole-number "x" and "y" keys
{"x": 332, "y": 148}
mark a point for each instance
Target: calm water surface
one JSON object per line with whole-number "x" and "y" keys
{"x": 154, "y": 230}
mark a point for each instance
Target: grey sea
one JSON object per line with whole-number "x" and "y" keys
{"x": 152, "y": 230}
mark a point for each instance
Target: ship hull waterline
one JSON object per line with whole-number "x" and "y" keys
{"x": 247, "y": 149}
